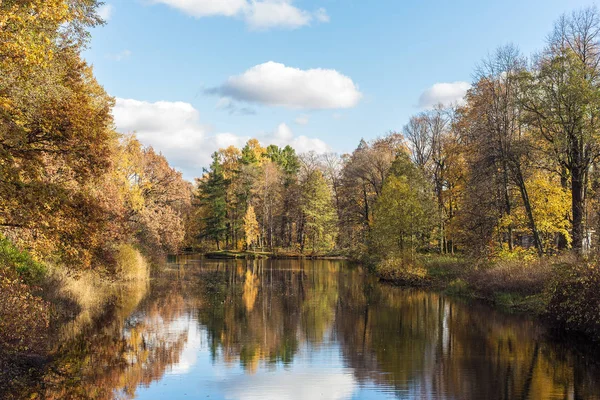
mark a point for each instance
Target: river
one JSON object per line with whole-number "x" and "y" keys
{"x": 300, "y": 329}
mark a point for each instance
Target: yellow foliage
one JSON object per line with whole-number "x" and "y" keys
{"x": 251, "y": 227}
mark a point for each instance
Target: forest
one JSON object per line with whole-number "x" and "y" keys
{"x": 496, "y": 197}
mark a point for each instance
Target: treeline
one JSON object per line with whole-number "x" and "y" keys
{"x": 272, "y": 199}
{"x": 265, "y": 198}
{"x": 513, "y": 167}
{"x": 72, "y": 190}
{"x": 516, "y": 166}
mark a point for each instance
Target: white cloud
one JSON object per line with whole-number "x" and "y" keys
{"x": 258, "y": 14}
{"x": 276, "y": 13}
{"x": 175, "y": 130}
{"x": 206, "y": 8}
{"x": 120, "y": 56}
{"x": 444, "y": 93}
{"x": 302, "y": 120}
{"x": 105, "y": 11}
{"x": 284, "y": 136}
{"x": 275, "y": 84}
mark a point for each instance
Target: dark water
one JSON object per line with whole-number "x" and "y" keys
{"x": 307, "y": 330}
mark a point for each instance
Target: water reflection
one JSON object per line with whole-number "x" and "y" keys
{"x": 306, "y": 330}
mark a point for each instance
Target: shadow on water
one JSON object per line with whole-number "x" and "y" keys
{"x": 299, "y": 329}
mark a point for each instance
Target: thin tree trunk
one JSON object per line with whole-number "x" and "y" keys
{"x": 578, "y": 199}
{"x": 529, "y": 211}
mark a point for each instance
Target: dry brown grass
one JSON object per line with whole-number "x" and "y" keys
{"x": 131, "y": 265}
{"x": 403, "y": 271}
{"x": 515, "y": 276}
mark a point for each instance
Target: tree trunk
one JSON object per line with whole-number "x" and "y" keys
{"x": 578, "y": 201}
{"x": 366, "y": 199}
{"x": 507, "y": 202}
{"x": 527, "y": 203}
{"x": 562, "y": 238}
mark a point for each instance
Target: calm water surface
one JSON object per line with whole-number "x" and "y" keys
{"x": 306, "y": 330}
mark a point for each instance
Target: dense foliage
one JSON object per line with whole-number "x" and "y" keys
{"x": 72, "y": 188}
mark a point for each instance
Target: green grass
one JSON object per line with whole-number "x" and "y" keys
{"x": 13, "y": 260}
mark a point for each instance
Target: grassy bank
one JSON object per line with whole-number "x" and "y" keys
{"x": 40, "y": 303}
{"x": 564, "y": 290}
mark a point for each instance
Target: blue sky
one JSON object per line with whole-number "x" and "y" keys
{"x": 191, "y": 76}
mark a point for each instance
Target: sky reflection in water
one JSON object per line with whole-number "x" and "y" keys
{"x": 314, "y": 330}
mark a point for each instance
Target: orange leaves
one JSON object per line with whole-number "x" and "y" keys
{"x": 24, "y": 317}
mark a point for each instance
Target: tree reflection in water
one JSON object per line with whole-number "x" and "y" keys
{"x": 297, "y": 320}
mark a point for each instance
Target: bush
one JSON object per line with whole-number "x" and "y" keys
{"x": 131, "y": 265}
{"x": 458, "y": 287}
{"x": 14, "y": 261}
{"x": 574, "y": 298}
{"x": 401, "y": 270}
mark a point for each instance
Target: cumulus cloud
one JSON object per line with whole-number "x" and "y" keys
{"x": 119, "y": 56}
{"x": 444, "y": 93}
{"x": 207, "y": 8}
{"x": 105, "y": 11}
{"x": 283, "y": 136}
{"x": 275, "y": 84}
{"x": 275, "y": 13}
{"x": 258, "y": 14}
{"x": 175, "y": 130}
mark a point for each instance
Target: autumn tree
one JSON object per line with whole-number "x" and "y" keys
{"x": 562, "y": 99}
{"x": 362, "y": 180}
{"x": 56, "y": 141}
{"x": 251, "y": 229}
{"x": 318, "y": 224}
{"x": 402, "y": 214}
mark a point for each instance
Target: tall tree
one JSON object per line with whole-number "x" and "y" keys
{"x": 563, "y": 101}
{"x": 251, "y": 228}
{"x": 213, "y": 198}
{"x": 402, "y": 217}
{"x": 318, "y": 226}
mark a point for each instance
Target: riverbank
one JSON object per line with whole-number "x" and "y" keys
{"x": 277, "y": 255}
{"x": 562, "y": 290}
{"x": 41, "y": 302}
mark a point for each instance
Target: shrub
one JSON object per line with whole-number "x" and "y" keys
{"x": 458, "y": 287}
{"x": 402, "y": 270}
{"x": 574, "y": 298}
{"x": 131, "y": 265}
